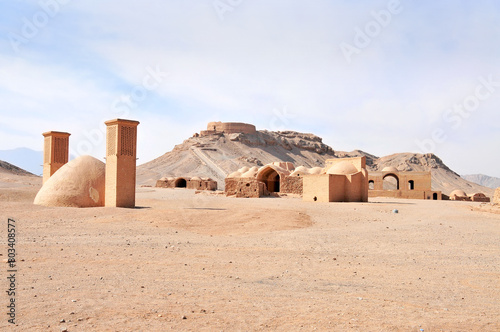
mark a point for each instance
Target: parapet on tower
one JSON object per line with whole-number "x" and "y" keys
{"x": 121, "y": 151}
{"x": 55, "y": 152}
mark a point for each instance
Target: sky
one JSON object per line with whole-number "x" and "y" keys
{"x": 380, "y": 76}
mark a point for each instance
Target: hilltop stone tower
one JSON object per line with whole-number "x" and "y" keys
{"x": 55, "y": 152}
{"x": 121, "y": 148}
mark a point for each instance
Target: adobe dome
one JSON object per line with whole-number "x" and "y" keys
{"x": 79, "y": 183}
{"x": 244, "y": 169}
{"x": 236, "y": 174}
{"x": 458, "y": 193}
{"x": 390, "y": 169}
{"x": 250, "y": 174}
{"x": 315, "y": 170}
{"x": 343, "y": 168}
{"x": 299, "y": 171}
{"x": 195, "y": 178}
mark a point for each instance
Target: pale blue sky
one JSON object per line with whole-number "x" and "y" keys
{"x": 277, "y": 64}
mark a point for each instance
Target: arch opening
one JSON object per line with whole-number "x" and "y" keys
{"x": 181, "y": 183}
{"x": 391, "y": 182}
{"x": 371, "y": 185}
{"x": 411, "y": 185}
{"x": 435, "y": 196}
{"x": 272, "y": 180}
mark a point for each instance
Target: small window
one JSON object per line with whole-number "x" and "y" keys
{"x": 411, "y": 185}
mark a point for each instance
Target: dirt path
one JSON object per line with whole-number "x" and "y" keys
{"x": 254, "y": 264}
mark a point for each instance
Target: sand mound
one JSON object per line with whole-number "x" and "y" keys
{"x": 79, "y": 183}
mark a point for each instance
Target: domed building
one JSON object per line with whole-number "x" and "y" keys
{"x": 79, "y": 183}
{"x": 187, "y": 182}
{"x": 343, "y": 180}
{"x": 458, "y": 195}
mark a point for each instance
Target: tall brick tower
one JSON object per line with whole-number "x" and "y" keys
{"x": 121, "y": 148}
{"x": 55, "y": 152}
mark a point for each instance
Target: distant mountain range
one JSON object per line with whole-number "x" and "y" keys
{"x": 27, "y": 159}
{"x": 484, "y": 180}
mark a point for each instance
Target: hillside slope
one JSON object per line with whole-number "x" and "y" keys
{"x": 217, "y": 156}
{"x": 483, "y": 180}
{"x": 27, "y": 159}
{"x": 8, "y": 168}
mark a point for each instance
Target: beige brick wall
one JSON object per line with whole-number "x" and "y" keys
{"x": 121, "y": 151}
{"x": 55, "y": 152}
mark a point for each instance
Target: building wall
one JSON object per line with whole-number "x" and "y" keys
{"x": 292, "y": 185}
{"x": 479, "y": 197}
{"x": 190, "y": 184}
{"x": 336, "y": 187}
{"x": 422, "y": 184}
{"x": 229, "y": 128}
{"x": 245, "y": 187}
{"x": 496, "y": 198}
{"x": 316, "y": 188}
{"x": 356, "y": 187}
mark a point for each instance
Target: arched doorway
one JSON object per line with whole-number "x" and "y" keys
{"x": 371, "y": 185}
{"x": 435, "y": 196}
{"x": 411, "y": 185}
{"x": 271, "y": 178}
{"x": 391, "y": 182}
{"x": 181, "y": 183}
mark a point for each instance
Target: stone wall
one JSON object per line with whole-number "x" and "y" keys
{"x": 245, "y": 187}
{"x": 229, "y": 128}
{"x": 479, "y": 197}
{"x": 292, "y": 185}
{"x": 198, "y": 184}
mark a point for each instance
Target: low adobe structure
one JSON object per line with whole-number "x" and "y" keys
{"x": 390, "y": 182}
{"x": 218, "y": 128}
{"x": 85, "y": 181}
{"x": 187, "y": 182}
{"x": 460, "y": 195}
{"x": 342, "y": 180}
{"x": 277, "y": 177}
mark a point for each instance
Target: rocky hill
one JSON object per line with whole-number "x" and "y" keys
{"x": 483, "y": 180}
{"x": 216, "y": 156}
{"x": 8, "y": 168}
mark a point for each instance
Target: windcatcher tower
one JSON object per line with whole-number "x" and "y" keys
{"x": 121, "y": 149}
{"x": 55, "y": 152}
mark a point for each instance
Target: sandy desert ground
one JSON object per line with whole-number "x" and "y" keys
{"x": 193, "y": 262}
